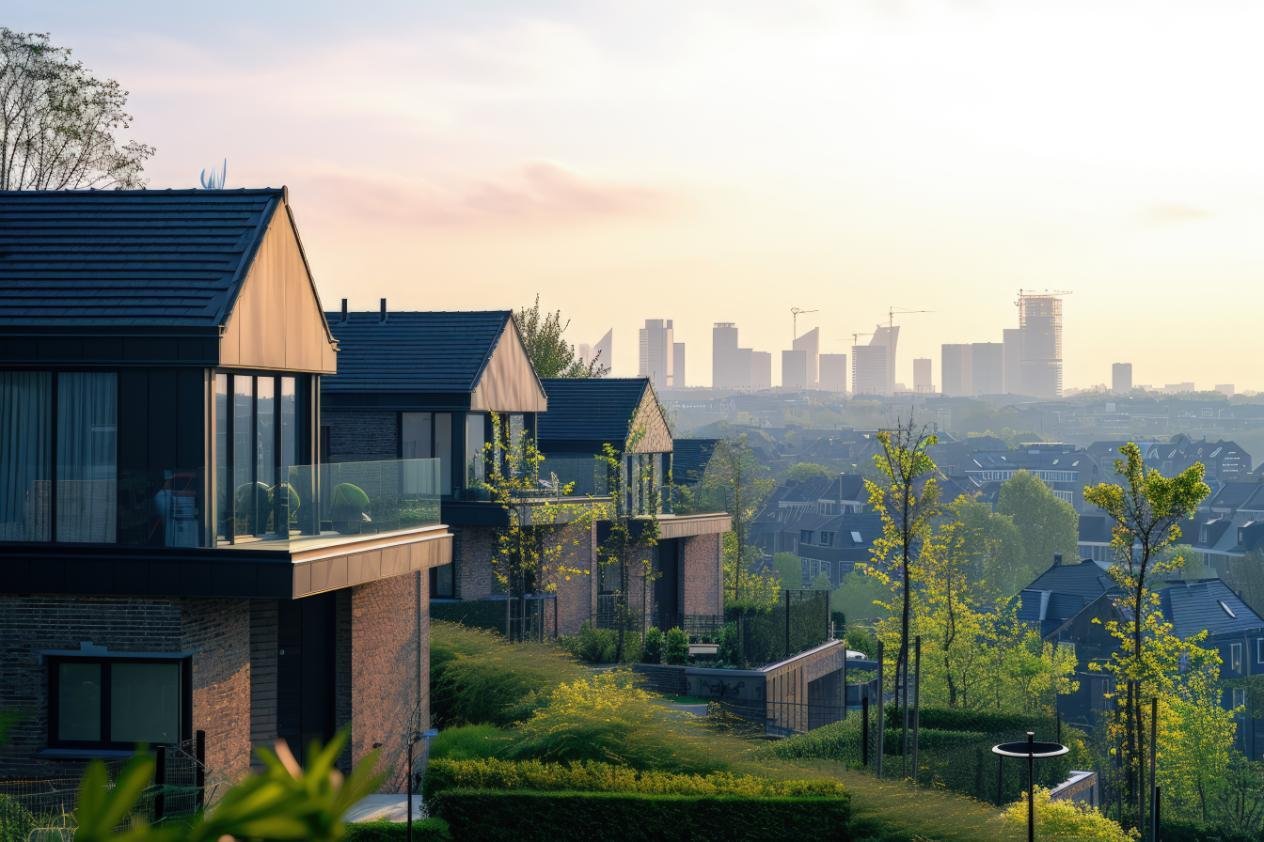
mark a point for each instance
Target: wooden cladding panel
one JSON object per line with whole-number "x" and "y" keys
{"x": 651, "y": 425}
{"x": 509, "y": 383}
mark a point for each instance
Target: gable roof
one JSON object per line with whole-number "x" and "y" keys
{"x": 586, "y": 412}
{"x": 116, "y": 258}
{"x": 1061, "y": 592}
{"x": 690, "y": 458}
{"x": 439, "y": 353}
{"x": 1207, "y": 604}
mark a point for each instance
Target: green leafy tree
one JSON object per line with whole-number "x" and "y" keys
{"x": 860, "y": 596}
{"x": 1048, "y": 526}
{"x": 1145, "y": 510}
{"x": 907, "y": 501}
{"x": 991, "y": 545}
{"x": 59, "y": 123}
{"x": 803, "y": 471}
{"x": 543, "y": 333}
{"x": 789, "y": 569}
{"x": 821, "y": 582}
{"x": 1195, "y": 740}
{"x": 736, "y": 483}
{"x": 1245, "y": 574}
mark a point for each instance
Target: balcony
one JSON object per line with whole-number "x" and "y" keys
{"x": 561, "y": 488}
{"x": 322, "y": 528}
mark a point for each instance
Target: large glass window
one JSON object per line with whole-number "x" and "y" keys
{"x": 87, "y": 457}
{"x": 223, "y": 486}
{"x": 245, "y": 500}
{"x": 25, "y": 455}
{"x": 475, "y": 449}
{"x": 443, "y": 449}
{"x": 117, "y": 703}
{"x": 416, "y": 430}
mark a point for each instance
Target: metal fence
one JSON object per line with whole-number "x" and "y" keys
{"x": 799, "y": 621}
{"x": 528, "y": 617}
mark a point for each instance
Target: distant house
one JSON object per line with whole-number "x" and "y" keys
{"x": 174, "y": 559}
{"x": 1065, "y": 469}
{"x": 690, "y": 458}
{"x": 586, "y": 415}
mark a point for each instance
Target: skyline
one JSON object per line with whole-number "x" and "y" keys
{"x": 938, "y": 156}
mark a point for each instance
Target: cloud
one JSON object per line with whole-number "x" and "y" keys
{"x": 536, "y": 193}
{"x": 1171, "y": 213}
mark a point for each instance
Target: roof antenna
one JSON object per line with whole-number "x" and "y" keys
{"x": 214, "y": 180}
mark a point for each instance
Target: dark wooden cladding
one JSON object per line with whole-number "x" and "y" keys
{"x": 22, "y": 348}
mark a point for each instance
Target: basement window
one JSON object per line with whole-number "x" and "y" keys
{"x": 118, "y": 703}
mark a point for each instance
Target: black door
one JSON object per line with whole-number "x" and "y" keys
{"x": 667, "y": 585}
{"x": 305, "y": 671}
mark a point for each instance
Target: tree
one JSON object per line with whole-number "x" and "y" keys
{"x": 548, "y": 350}
{"x": 1048, "y": 526}
{"x": 907, "y": 501}
{"x": 991, "y": 545}
{"x": 736, "y": 483}
{"x": 803, "y": 471}
{"x": 632, "y": 536}
{"x": 789, "y": 569}
{"x": 1245, "y": 574}
{"x": 1145, "y": 511}
{"x": 58, "y": 122}
{"x": 821, "y": 582}
{"x": 1195, "y": 739}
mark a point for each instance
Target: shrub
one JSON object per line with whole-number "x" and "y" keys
{"x": 676, "y": 647}
{"x": 525, "y": 816}
{"x": 605, "y": 777}
{"x": 652, "y": 648}
{"x": 476, "y": 676}
{"x": 607, "y": 718}
{"x": 16, "y": 822}
{"x": 591, "y": 645}
{"x": 988, "y": 722}
{"x": 473, "y": 613}
{"x": 1177, "y": 830}
{"x": 426, "y": 830}
{"x": 467, "y": 742}
{"x": 730, "y": 645}
{"x": 349, "y": 507}
{"x": 1065, "y": 820}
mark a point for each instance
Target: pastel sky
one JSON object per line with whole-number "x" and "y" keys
{"x": 724, "y": 161}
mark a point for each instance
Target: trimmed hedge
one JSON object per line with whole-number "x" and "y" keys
{"x": 426, "y": 830}
{"x": 1174, "y": 830}
{"x": 526, "y": 816}
{"x": 475, "y": 614}
{"x": 988, "y": 722}
{"x": 606, "y": 777}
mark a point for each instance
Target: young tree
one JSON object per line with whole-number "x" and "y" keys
{"x": 58, "y": 122}
{"x": 1145, "y": 511}
{"x": 736, "y": 483}
{"x": 991, "y": 546}
{"x": 907, "y": 501}
{"x": 1048, "y": 526}
{"x": 544, "y": 335}
{"x": 1195, "y": 738}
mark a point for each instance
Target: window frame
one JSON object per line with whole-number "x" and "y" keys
{"x": 54, "y": 662}
{"x": 1235, "y": 656}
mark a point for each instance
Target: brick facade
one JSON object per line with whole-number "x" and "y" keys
{"x": 700, "y": 572}
{"x": 217, "y": 632}
{"x": 361, "y": 436}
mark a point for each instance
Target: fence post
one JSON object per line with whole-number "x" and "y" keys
{"x": 199, "y": 768}
{"x": 160, "y": 780}
{"x": 1154, "y": 720}
{"x": 864, "y": 719}
{"x": 787, "y": 655}
{"x": 1000, "y": 771}
{"x": 917, "y": 690}
{"x": 882, "y": 715}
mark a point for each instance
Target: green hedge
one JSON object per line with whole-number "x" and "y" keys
{"x": 1180, "y": 831}
{"x": 475, "y": 614}
{"x": 426, "y": 830}
{"x": 526, "y": 816}
{"x": 534, "y": 775}
{"x": 988, "y": 722}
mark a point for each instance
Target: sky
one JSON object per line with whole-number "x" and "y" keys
{"x": 726, "y": 161}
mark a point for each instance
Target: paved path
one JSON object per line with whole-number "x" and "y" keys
{"x": 385, "y": 808}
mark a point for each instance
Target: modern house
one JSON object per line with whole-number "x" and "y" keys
{"x": 174, "y": 558}
{"x": 587, "y": 415}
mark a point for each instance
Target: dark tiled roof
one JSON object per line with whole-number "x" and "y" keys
{"x": 1095, "y": 529}
{"x": 1085, "y": 579}
{"x": 1233, "y": 494}
{"x": 413, "y": 352}
{"x": 591, "y": 409}
{"x": 690, "y": 458}
{"x": 113, "y": 259}
{"x": 1192, "y": 607}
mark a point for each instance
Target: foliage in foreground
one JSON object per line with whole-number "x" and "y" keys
{"x": 283, "y": 802}
{"x": 1065, "y": 821}
{"x": 425, "y": 830}
{"x": 587, "y": 776}
{"x": 522, "y": 815}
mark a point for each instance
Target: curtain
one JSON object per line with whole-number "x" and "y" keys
{"x": 87, "y": 457}
{"x": 24, "y": 455}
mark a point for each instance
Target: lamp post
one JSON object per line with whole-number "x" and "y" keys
{"x": 1031, "y": 750}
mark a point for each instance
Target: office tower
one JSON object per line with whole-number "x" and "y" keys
{"x": 810, "y": 344}
{"x": 1040, "y": 319}
{"x": 922, "y": 382}
{"x": 760, "y": 368}
{"x": 602, "y": 352}
{"x": 656, "y": 352}
{"x": 987, "y": 368}
{"x": 1121, "y": 378}
{"x": 833, "y": 371}
{"x": 726, "y": 361}
{"x": 1012, "y": 340}
{"x": 886, "y": 338}
{"x": 678, "y": 365}
{"x": 869, "y": 369}
{"x": 794, "y": 370}
{"x": 955, "y": 370}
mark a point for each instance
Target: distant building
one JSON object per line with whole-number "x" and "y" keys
{"x": 887, "y": 338}
{"x": 1225, "y": 389}
{"x": 601, "y": 352}
{"x": 922, "y": 381}
{"x": 1180, "y": 388}
{"x": 761, "y": 370}
{"x": 955, "y": 370}
{"x": 810, "y": 344}
{"x": 987, "y": 368}
{"x": 833, "y": 373}
{"x": 868, "y": 369}
{"x": 1040, "y": 320}
{"x": 794, "y": 369}
{"x": 656, "y": 340}
{"x": 1012, "y": 342}
{"x": 727, "y": 371}
{"x": 678, "y": 365}
{"x": 1121, "y": 378}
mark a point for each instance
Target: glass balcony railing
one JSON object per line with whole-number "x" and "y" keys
{"x": 557, "y": 476}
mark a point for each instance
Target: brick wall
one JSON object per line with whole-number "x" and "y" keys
{"x": 575, "y": 584}
{"x": 472, "y": 556}
{"x": 700, "y": 572}
{"x": 217, "y": 631}
{"x": 385, "y": 658}
{"x": 263, "y": 673}
{"x": 361, "y": 436}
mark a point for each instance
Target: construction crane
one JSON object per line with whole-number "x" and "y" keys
{"x": 795, "y": 312}
{"x": 900, "y": 311}
{"x": 855, "y": 338}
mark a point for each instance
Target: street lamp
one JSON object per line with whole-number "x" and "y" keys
{"x": 1030, "y": 750}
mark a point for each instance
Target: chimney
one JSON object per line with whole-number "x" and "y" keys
{"x": 383, "y": 309}
{"x": 1057, "y": 559}
{"x": 344, "y": 309}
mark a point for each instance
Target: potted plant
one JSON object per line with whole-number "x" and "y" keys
{"x": 350, "y": 509}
